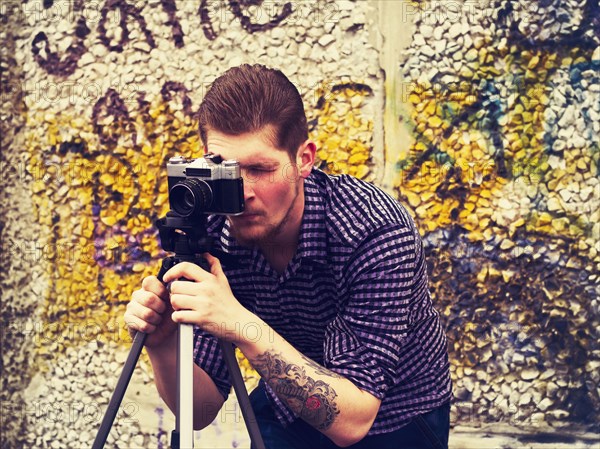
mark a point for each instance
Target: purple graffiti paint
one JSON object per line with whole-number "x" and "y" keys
{"x": 161, "y": 431}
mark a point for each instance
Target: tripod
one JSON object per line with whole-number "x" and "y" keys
{"x": 185, "y": 238}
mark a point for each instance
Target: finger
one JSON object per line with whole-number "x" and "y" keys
{"x": 184, "y": 302}
{"x": 185, "y": 316}
{"x": 152, "y": 284}
{"x": 137, "y": 324}
{"x": 186, "y": 270}
{"x": 135, "y": 309}
{"x": 214, "y": 264}
{"x": 149, "y": 300}
{"x": 184, "y": 288}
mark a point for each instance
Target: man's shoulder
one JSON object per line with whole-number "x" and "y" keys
{"x": 354, "y": 208}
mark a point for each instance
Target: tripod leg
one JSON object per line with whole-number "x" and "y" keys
{"x": 183, "y": 435}
{"x": 242, "y": 394}
{"x": 121, "y": 388}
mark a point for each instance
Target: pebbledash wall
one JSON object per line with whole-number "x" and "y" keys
{"x": 482, "y": 117}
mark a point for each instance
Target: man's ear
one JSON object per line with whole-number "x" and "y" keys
{"x": 305, "y": 158}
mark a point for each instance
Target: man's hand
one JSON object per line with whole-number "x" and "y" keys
{"x": 206, "y": 299}
{"x": 149, "y": 311}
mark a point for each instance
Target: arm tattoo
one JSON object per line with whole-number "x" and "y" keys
{"x": 320, "y": 369}
{"x": 313, "y": 400}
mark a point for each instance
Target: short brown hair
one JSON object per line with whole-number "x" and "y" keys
{"x": 247, "y": 98}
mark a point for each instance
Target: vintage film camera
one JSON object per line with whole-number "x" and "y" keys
{"x": 206, "y": 185}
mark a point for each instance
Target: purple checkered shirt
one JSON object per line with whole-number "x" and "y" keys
{"x": 354, "y": 298}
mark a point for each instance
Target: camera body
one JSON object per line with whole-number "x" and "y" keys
{"x": 205, "y": 185}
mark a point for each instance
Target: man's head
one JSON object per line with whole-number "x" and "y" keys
{"x": 255, "y": 115}
{"x": 250, "y": 98}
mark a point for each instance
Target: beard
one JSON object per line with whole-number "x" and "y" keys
{"x": 262, "y": 233}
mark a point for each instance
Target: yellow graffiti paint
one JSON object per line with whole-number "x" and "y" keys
{"x": 97, "y": 208}
{"x": 343, "y": 136}
{"x": 452, "y": 174}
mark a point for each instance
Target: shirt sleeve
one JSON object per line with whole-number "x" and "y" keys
{"x": 363, "y": 343}
{"x": 208, "y": 356}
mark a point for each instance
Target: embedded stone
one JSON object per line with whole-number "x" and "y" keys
{"x": 326, "y": 39}
{"x": 455, "y": 30}
{"x": 554, "y": 204}
{"x": 529, "y": 374}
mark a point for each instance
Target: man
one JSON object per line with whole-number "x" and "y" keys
{"x": 329, "y": 300}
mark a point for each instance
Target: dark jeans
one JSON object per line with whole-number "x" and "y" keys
{"x": 428, "y": 431}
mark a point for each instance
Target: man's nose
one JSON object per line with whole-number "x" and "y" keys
{"x": 248, "y": 190}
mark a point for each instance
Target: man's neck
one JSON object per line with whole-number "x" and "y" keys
{"x": 280, "y": 249}
{"x": 279, "y": 257}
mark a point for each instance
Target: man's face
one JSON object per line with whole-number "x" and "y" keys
{"x": 272, "y": 187}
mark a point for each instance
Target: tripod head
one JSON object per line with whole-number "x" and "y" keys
{"x": 184, "y": 236}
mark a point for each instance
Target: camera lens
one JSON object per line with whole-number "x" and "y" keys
{"x": 190, "y": 197}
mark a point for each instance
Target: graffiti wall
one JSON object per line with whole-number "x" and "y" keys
{"x": 502, "y": 174}
{"x": 500, "y": 103}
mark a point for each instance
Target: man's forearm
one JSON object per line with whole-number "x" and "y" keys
{"x": 207, "y": 399}
{"x": 310, "y": 396}
{"x": 325, "y": 400}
